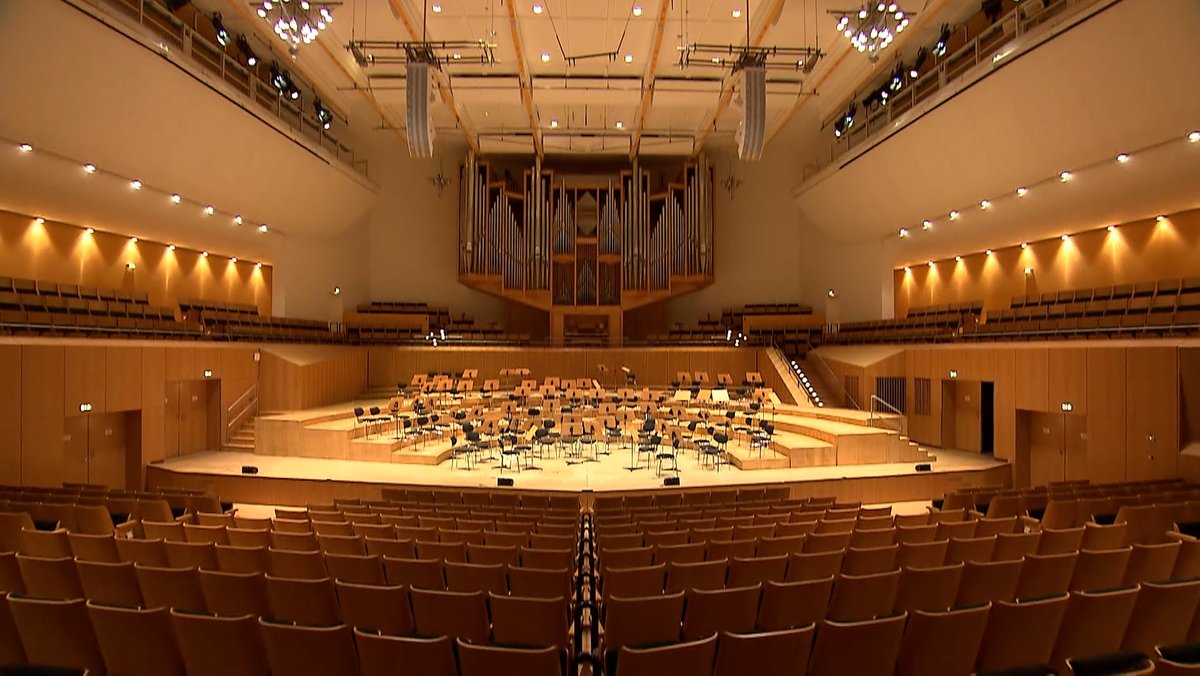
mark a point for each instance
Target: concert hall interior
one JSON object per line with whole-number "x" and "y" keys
{"x": 584, "y": 337}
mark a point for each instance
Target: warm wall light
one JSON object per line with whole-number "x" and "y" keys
{"x": 831, "y": 293}
{"x": 637, "y": 10}
{"x": 1194, "y": 136}
{"x": 1065, "y": 237}
{"x": 985, "y": 204}
{"x": 906, "y": 269}
{"x": 89, "y": 168}
{"x": 204, "y": 254}
{"x": 1123, "y": 158}
{"x": 629, "y": 58}
{"x": 931, "y": 264}
{"x": 1021, "y": 192}
{"x": 1065, "y": 176}
{"x": 133, "y": 240}
{"x": 1028, "y": 271}
{"x": 262, "y": 227}
{"x": 176, "y": 199}
{"x": 953, "y": 374}
{"x": 85, "y": 407}
{"x": 1160, "y": 219}
{"x": 1111, "y": 228}
{"x": 131, "y": 266}
{"x": 988, "y": 252}
{"x": 135, "y": 184}
{"x": 545, "y": 57}
{"x": 209, "y": 210}
{"x": 233, "y": 260}
{"x": 39, "y": 220}
{"x": 90, "y": 231}
{"x": 954, "y": 215}
{"x": 925, "y": 225}
{"x": 171, "y": 247}
{"x": 1024, "y": 245}
{"x": 337, "y": 291}
{"x": 25, "y": 147}
{"x": 237, "y": 220}
{"x": 1067, "y": 407}
{"x": 958, "y": 259}
{"x": 258, "y": 265}
{"x": 903, "y": 232}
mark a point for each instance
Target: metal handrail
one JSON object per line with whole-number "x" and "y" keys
{"x": 837, "y": 382}
{"x": 875, "y": 399}
{"x": 212, "y": 58}
{"x": 984, "y": 48}
{"x": 251, "y": 397}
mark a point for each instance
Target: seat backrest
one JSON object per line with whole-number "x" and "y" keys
{"x": 734, "y": 609}
{"x": 454, "y": 614}
{"x": 235, "y": 594}
{"x": 691, "y": 657}
{"x": 136, "y": 642}
{"x": 1046, "y": 575}
{"x": 866, "y": 647}
{"x": 942, "y": 642}
{"x": 863, "y": 597}
{"x": 773, "y": 653}
{"x": 988, "y": 582}
{"x": 415, "y": 573}
{"x": 379, "y": 655}
{"x": 790, "y": 605}
{"x": 529, "y": 622}
{"x": 175, "y": 588}
{"x": 1020, "y": 633}
{"x": 1094, "y": 623}
{"x": 109, "y": 583}
{"x": 304, "y": 565}
{"x": 87, "y": 547}
{"x": 56, "y": 633}
{"x": 1014, "y": 546}
{"x": 1099, "y": 569}
{"x": 1161, "y": 615}
{"x": 928, "y": 589}
{"x": 309, "y": 651}
{"x": 1151, "y": 562}
{"x": 311, "y": 602}
{"x": 482, "y": 660}
{"x": 641, "y": 621}
{"x": 703, "y": 575}
{"x": 354, "y": 568}
{"x": 383, "y": 609}
{"x": 813, "y": 565}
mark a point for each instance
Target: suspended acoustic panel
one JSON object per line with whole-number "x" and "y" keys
{"x": 419, "y": 89}
{"x": 751, "y": 133}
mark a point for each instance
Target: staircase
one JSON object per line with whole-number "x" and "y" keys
{"x": 242, "y": 440}
{"x": 818, "y": 386}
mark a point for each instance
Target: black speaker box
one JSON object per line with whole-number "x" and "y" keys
{"x": 671, "y": 481}
{"x": 923, "y": 467}
{"x": 249, "y": 469}
{"x": 504, "y": 481}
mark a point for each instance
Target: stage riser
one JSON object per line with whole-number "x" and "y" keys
{"x": 295, "y": 492}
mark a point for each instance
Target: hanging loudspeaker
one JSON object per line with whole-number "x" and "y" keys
{"x": 751, "y": 133}
{"x": 418, "y": 87}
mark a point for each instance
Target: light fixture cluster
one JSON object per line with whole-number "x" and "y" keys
{"x": 802, "y": 377}
{"x": 434, "y": 337}
{"x": 872, "y": 27}
{"x": 736, "y": 338}
{"x": 297, "y": 22}
{"x": 1065, "y": 237}
{"x": 89, "y": 169}
{"x": 1065, "y": 176}
{"x": 134, "y": 241}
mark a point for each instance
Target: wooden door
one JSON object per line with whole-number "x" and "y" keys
{"x": 73, "y": 465}
{"x": 106, "y": 450}
{"x": 1075, "y": 443}
{"x": 1152, "y": 412}
{"x": 171, "y": 419}
{"x": 949, "y": 414}
{"x": 1047, "y": 451}
{"x": 193, "y": 416}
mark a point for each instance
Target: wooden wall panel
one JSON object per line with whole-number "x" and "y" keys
{"x": 193, "y": 416}
{"x": 1106, "y": 447}
{"x": 42, "y": 415}
{"x": 106, "y": 448}
{"x": 1106, "y": 381}
{"x": 1067, "y": 379}
{"x": 967, "y": 419}
{"x": 172, "y": 410}
{"x": 181, "y": 363}
{"x": 84, "y": 378}
{"x": 1152, "y": 412}
{"x": 123, "y": 378}
{"x": 154, "y": 394}
{"x": 381, "y": 363}
{"x": 1032, "y": 383}
{"x": 1004, "y": 377}
{"x": 73, "y": 464}
{"x": 10, "y": 412}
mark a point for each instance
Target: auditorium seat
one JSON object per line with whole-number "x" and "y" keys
{"x": 311, "y": 602}
{"x": 175, "y": 588}
{"x": 775, "y": 653}
{"x": 733, "y": 609}
{"x": 101, "y": 548}
{"x": 814, "y": 566}
{"x": 1020, "y": 633}
{"x": 136, "y": 642}
{"x": 455, "y": 614}
{"x": 862, "y": 647}
{"x": 540, "y": 583}
{"x": 1094, "y": 623}
{"x": 690, "y": 658}
{"x": 309, "y": 651}
{"x": 234, "y": 594}
{"x": 942, "y": 642}
{"x": 1162, "y": 615}
{"x": 304, "y": 565}
{"x": 57, "y": 633}
{"x": 637, "y": 622}
{"x": 1151, "y": 562}
{"x": 928, "y": 589}
{"x": 358, "y": 569}
{"x": 242, "y": 559}
{"x": 1046, "y": 575}
{"x": 50, "y": 578}
{"x": 530, "y": 622}
{"x": 220, "y": 646}
{"x": 484, "y": 660}
{"x": 191, "y": 555}
{"x": 113, "y": 584}
{"x": 380, "y": 654}
{"x": 415, "y": 573}
{"x": 53, "y": 544}
{"x": 988, "y": 582}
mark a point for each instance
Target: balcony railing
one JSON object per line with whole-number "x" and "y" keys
{"x": 177, "y": 37}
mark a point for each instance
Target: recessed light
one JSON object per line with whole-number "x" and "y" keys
{"x": 176, "y": 199}
{"x": 620, "y": 124}
{"x": 135, "y": 184}
{"x": 954, "y": 215}
{"x": 1065, "y": 237}
{"x": 925, "y": 225}
{"x": 209, "y": 210}
{"x": 958, "y": 259}
{"x": 25, "y": 148}
{"x": 39, "y": 220}
{"x": 903, "y": 232}
{"x": 1021, "y": 192}
{"x": 171, "y": 247}
{"x": 629, "y": 58}
{"x": 985, "y": 204}
{"x": 133, "y": 240}
{"x": 90, "y": 231}
{"x": 1111, "y": 228}
{"x": 716, "y": 59}
{"x": 237, "y": 220}
{"x": 204, "y": 254}
{"x": 637, "y": 10}
{"x": 262, "y": 227}
{"x": 437, "y": 9}
{"x": 545, "y": 57}
{"x": 554, "y": 124}
{"x": 89, "y": 168}
{"x": 988, "y": 252}
{"x": 1160, "y": 219}
{"x": 1194, "y": 136}
{"x": 1123, "y": 158}
{"x": 737, "y": 14}
{"x": 1065, "y": 176}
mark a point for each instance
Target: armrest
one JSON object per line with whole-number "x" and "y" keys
{"x": 1176, "y": 535}
{"x": 126, "y": 530}
{"x": 1029, "y": 524}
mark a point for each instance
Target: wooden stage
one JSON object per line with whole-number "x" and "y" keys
{"x": 296, "y": 481}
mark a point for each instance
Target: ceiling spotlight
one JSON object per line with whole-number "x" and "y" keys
{"x": 1123, "y": 158}
{"x": 629, "y": 58}
{"x": 988, "y": 252}
{"x": 831, "y": 293}
{"x": 133, "y": 240}
{"x": 243, "y": 46}
{"x": 204, "y": 254}
{"x": 1029, "y": 271}
{"x": 943, "y": 41}
{"x": 1021, "y": 192}
{"x": 1160, "y": 219}
{"x": 545, "y": 57}
{"x": 258, "y": 265}
{"x": 985, "y": 204}
{"x": 237, "y": 220}
{"x": 135, "y": 184}
{"x": 1065, "y": 176}
{"x": 958, "y": 259}
{"x": 736, "y": 13}
{"x": 90, "y": 231}
{"x": 171, "y": 247}
{"x": 323, "y": 114}
{"x": 437, "y": 9}
{"x": 930, "y": 264}
{"x": 262, "y": 227}
{"x": 89, "y": 168}
{"x": 1111, "y": 228}
{"x": 233, "y": 260}
{"x": 1024, "y": 245}
{"x": 906, "y": 268}
{"x": 925, "y": 225}
{"x": 637, "y": 10}
{"x": 1065, "y": 237}
{"x": 620, "y": 124}
{"x": 222, "y": 34}
{"x": 39, "y": 220}
{"x": 1194, "y": 136}
{"x": 538, "y": 9}
{"x": 25, "y": 148}
{"x": 337, "y": 290}
{"x": 954, "y": 215}
{"x": 130, "y": 266}
{"x": 903, "y": 232}
{"x": 209, "y": 210}
{"x": 176, "y": 199}
{"x": 554, "y": 124}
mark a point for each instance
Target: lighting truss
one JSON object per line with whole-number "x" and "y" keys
{"x": 297, "y": 22}
{"x": 439, "y": 53}
{"x": 737, "y": 57}
{"x": 872, "y": 27}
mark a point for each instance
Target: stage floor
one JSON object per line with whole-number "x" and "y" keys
{"x": 609, "y": 474}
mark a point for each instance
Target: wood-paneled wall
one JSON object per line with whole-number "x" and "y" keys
{"x": 149, "y": 400}
{"x": 389, "y": 366}
{"x": 1140, "y": 251}
{"x": 1124, "y": 421}
{"x": 299, "y": 377}
{"x": 67, "y": 254}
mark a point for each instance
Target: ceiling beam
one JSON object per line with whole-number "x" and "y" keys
{"x": 523, "y": 78}
{"x": 365, "y": 92}
{"x": 727, "y": 87}
{"x": 921, "y": 19}
{"x": 414, "y": 32}
{"x": 648, "y": 79}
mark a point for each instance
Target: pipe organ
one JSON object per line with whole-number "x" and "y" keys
{"x": 567, "y": 240}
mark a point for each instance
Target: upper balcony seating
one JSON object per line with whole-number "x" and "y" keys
{"x": 38, "y": 307}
